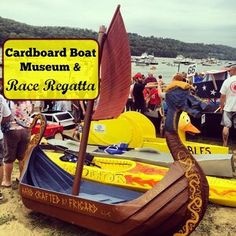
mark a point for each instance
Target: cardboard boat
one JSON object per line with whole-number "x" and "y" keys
{"x": 46, "y": 188}
{"x": 218, "y": 165}
{"x": 138, "y": 175}
{"x": 138, "y": 131}
{"x": 174, "y": 206}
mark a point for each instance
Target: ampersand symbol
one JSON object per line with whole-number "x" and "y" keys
{"x": 77, "y": 67}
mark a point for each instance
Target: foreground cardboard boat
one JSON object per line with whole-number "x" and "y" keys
{"x": 175, "y": 205}
{"x": 46, "y": 188}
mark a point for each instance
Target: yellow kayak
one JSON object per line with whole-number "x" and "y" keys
{"x": 141, "y": 176}
{"x": 138, "y": 131}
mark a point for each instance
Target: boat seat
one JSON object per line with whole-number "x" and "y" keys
{"x": 102, "y": 198}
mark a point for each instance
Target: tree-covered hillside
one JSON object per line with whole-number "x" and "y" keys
{"x": 162, "y": 47}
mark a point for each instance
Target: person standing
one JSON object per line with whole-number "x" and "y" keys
{"x": 139, "y": 85}
{"x": 78, "y": 110}
{"x": 150, "y": 77}
{"x": 63, "y": 105}
{"x": 228, "y": 103}
{"x": 151, "y": 96}
{"x": 178, "y": 95}
{"x": 5, "y": 115}
{"x": 16, "y": 138}
{"x": 160, "y": 80}
{"x": 130, "y": 102}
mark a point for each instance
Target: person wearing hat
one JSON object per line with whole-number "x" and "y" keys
{"x": 228, "y": 103}
{"x": 178, "y": 96}
{"x": 137, "y": 76}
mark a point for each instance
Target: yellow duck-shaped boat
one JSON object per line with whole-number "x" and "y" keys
{"x": 138, "y": 131}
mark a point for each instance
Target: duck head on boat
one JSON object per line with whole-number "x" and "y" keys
{"x": 185, "y": 126}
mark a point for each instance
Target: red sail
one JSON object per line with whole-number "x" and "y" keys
{"x": 115, "y": 71}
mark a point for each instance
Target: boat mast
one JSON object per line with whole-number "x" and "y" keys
{"x": 86, "y": 128}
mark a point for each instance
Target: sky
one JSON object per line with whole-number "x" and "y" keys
{"x": 191, "y": 21}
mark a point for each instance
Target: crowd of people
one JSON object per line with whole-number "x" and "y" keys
{"x": 148, "y": 94}
{"x": 145, "y": 93}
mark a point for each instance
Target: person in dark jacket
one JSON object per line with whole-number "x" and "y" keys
{"x": 179, "y": 97}
{"x": 139, "y": 102}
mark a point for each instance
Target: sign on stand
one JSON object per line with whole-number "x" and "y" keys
{"x": 55, "y": 69}
{"x": 191, "y": 70}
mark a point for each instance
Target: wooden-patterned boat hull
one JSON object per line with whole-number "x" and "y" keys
{"x": 176, "y": 204}
{"x": 144, "y": 214}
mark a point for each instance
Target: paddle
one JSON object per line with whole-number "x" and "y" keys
{"x": 88, "y": 160}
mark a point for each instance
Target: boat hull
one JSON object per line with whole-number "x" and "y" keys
{"x": 175, "y": 205}
{"x": 210, "y": 125}
{"x": 144, "y": 214}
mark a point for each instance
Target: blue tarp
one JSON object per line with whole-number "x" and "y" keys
{"x": 43, "y": 173}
